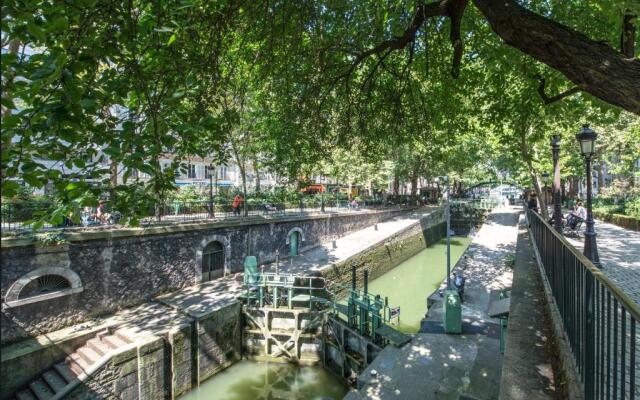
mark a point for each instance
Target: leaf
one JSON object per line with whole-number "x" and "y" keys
{"x": 32, "y": 180}
{"x": 10, "y": 188}
{"x": 87, "y": 103}
{"x": 171, "y": 39}
{"x": 36, "y": 31}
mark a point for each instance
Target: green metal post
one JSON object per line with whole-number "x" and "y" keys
{"x": 275, "y": 296}
{"x": 261, "y": 296}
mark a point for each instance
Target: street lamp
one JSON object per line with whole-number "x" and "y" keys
{"x": 587, "y": 139}
{"x": 447, "y": 216}
{"x": 557, "y": 207}
{"x": 322, "y": 193}
{"x": 211, "y": 210}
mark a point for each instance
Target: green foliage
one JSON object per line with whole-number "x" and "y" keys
{"x": 51, "y": 239}
{"x": 100, "y": 87}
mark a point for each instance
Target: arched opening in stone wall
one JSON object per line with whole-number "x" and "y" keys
{"x": 43, "y": 284}
{"x": 212, "y": 261}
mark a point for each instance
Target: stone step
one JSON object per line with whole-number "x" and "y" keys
{"x": 41, "y": 389}
{"x": 54, "y": 380}
{"x": 114, "y": 341}
{"x": 77, "y": 364}
{"x": 98, "y": 346}
{"x": 26, "y": 394}
{"x": 103, "y": 333}
{"x": 65, "y": 372}
{"x": 122, "y": 336}
{"x": 90, "y": 355}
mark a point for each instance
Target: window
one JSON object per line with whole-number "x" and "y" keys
{"x": 222, "y": 173}
{"x": 212, "y": 261}
{"x": 191, "y": 171}
{"x": 45, "y": 284}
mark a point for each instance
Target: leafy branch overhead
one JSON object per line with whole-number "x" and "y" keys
{"x": 593, "y": 66}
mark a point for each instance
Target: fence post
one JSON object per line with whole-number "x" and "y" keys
{"x": 589, "y": 337}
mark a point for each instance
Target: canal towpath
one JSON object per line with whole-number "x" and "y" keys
{"x": 435, "y": 365}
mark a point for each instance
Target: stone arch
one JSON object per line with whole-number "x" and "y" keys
{"x": 296, "y": 229}
{"x": 226, "y": 245}
{"x": 12, "y": 298}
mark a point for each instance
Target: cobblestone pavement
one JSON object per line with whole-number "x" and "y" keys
{"x": 619, "y": 251}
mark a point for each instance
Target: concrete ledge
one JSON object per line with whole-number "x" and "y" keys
{"x": 568, "y": 369}
{"x": 527, "y": 367}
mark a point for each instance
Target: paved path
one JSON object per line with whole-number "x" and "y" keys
{"x": 216, "y": 294}
{"x": 619, "y": 251}
{"x": 466, "y": 366}
{"x": 527, "y": 371}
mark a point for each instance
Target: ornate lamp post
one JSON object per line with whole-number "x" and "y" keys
{"x": 587, "y": 139}
{"x": 212, "y": 212}
{"x": 557, "y": 207}
{"x": 322, "y": 193}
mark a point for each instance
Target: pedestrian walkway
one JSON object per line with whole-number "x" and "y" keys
{"x": 467, "y": 366}
{"x": 528, "y": 374}
{"x": 619, "y": 251}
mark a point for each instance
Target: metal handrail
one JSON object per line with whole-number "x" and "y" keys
{"x": 630, "y": 305}
{"x": 599, "y": 320}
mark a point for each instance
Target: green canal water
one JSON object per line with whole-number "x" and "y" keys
{"x": 409, "y": 284}
{"x": 250, "y": 380}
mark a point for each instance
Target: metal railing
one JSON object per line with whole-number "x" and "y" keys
{"x": 20, "y": 217}
{"x": 598, "y": 318}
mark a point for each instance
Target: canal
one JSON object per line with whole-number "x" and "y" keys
{"x": 251, "y": 381}
{"x": 407, "y": 286}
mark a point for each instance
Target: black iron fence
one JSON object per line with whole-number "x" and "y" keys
{"x": 21, "y": 216}
{"x": 599, "y": 320}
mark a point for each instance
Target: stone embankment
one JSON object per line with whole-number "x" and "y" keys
{"x": 184, "y": 337}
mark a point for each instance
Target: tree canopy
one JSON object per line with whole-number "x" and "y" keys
{"x": 450, "y": 86}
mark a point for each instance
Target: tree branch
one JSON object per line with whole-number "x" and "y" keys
{"x": 548, "y": 100}
{"x": 595, "y": 67}
{"x": 628, "y": 35}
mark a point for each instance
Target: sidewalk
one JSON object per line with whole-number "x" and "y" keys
{"x": 619, "y": 251}
{"x": 467, "y": 366}
{"x": 527, "y": 371}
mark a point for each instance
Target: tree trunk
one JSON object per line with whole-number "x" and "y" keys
{"x": 114, "y": 181}
{"x": 600, "y": 177}
{"x": 396, "y": 185}
{"x": 257, "y": 172}
{"x": 594, "y": 66}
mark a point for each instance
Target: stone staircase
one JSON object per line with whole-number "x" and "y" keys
{"x": 74, "y": 367}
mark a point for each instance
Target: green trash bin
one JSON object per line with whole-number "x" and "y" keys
{"x": 452, "y": 312}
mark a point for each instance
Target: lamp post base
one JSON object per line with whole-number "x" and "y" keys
{"x": 591, "y": 248}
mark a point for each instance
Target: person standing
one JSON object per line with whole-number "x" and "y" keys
{"x": 237, "y": 203}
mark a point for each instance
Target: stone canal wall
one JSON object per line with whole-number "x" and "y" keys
{"x": 161, "y": 363}
{"x": 382, "y": 257}
{"x": 101, "y": 272}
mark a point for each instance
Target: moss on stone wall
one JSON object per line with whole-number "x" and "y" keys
{"x": 380, "y": 259}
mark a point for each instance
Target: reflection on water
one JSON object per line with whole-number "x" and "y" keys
{"x": 263, "y": 381}
{"x": 409, "y": 284}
